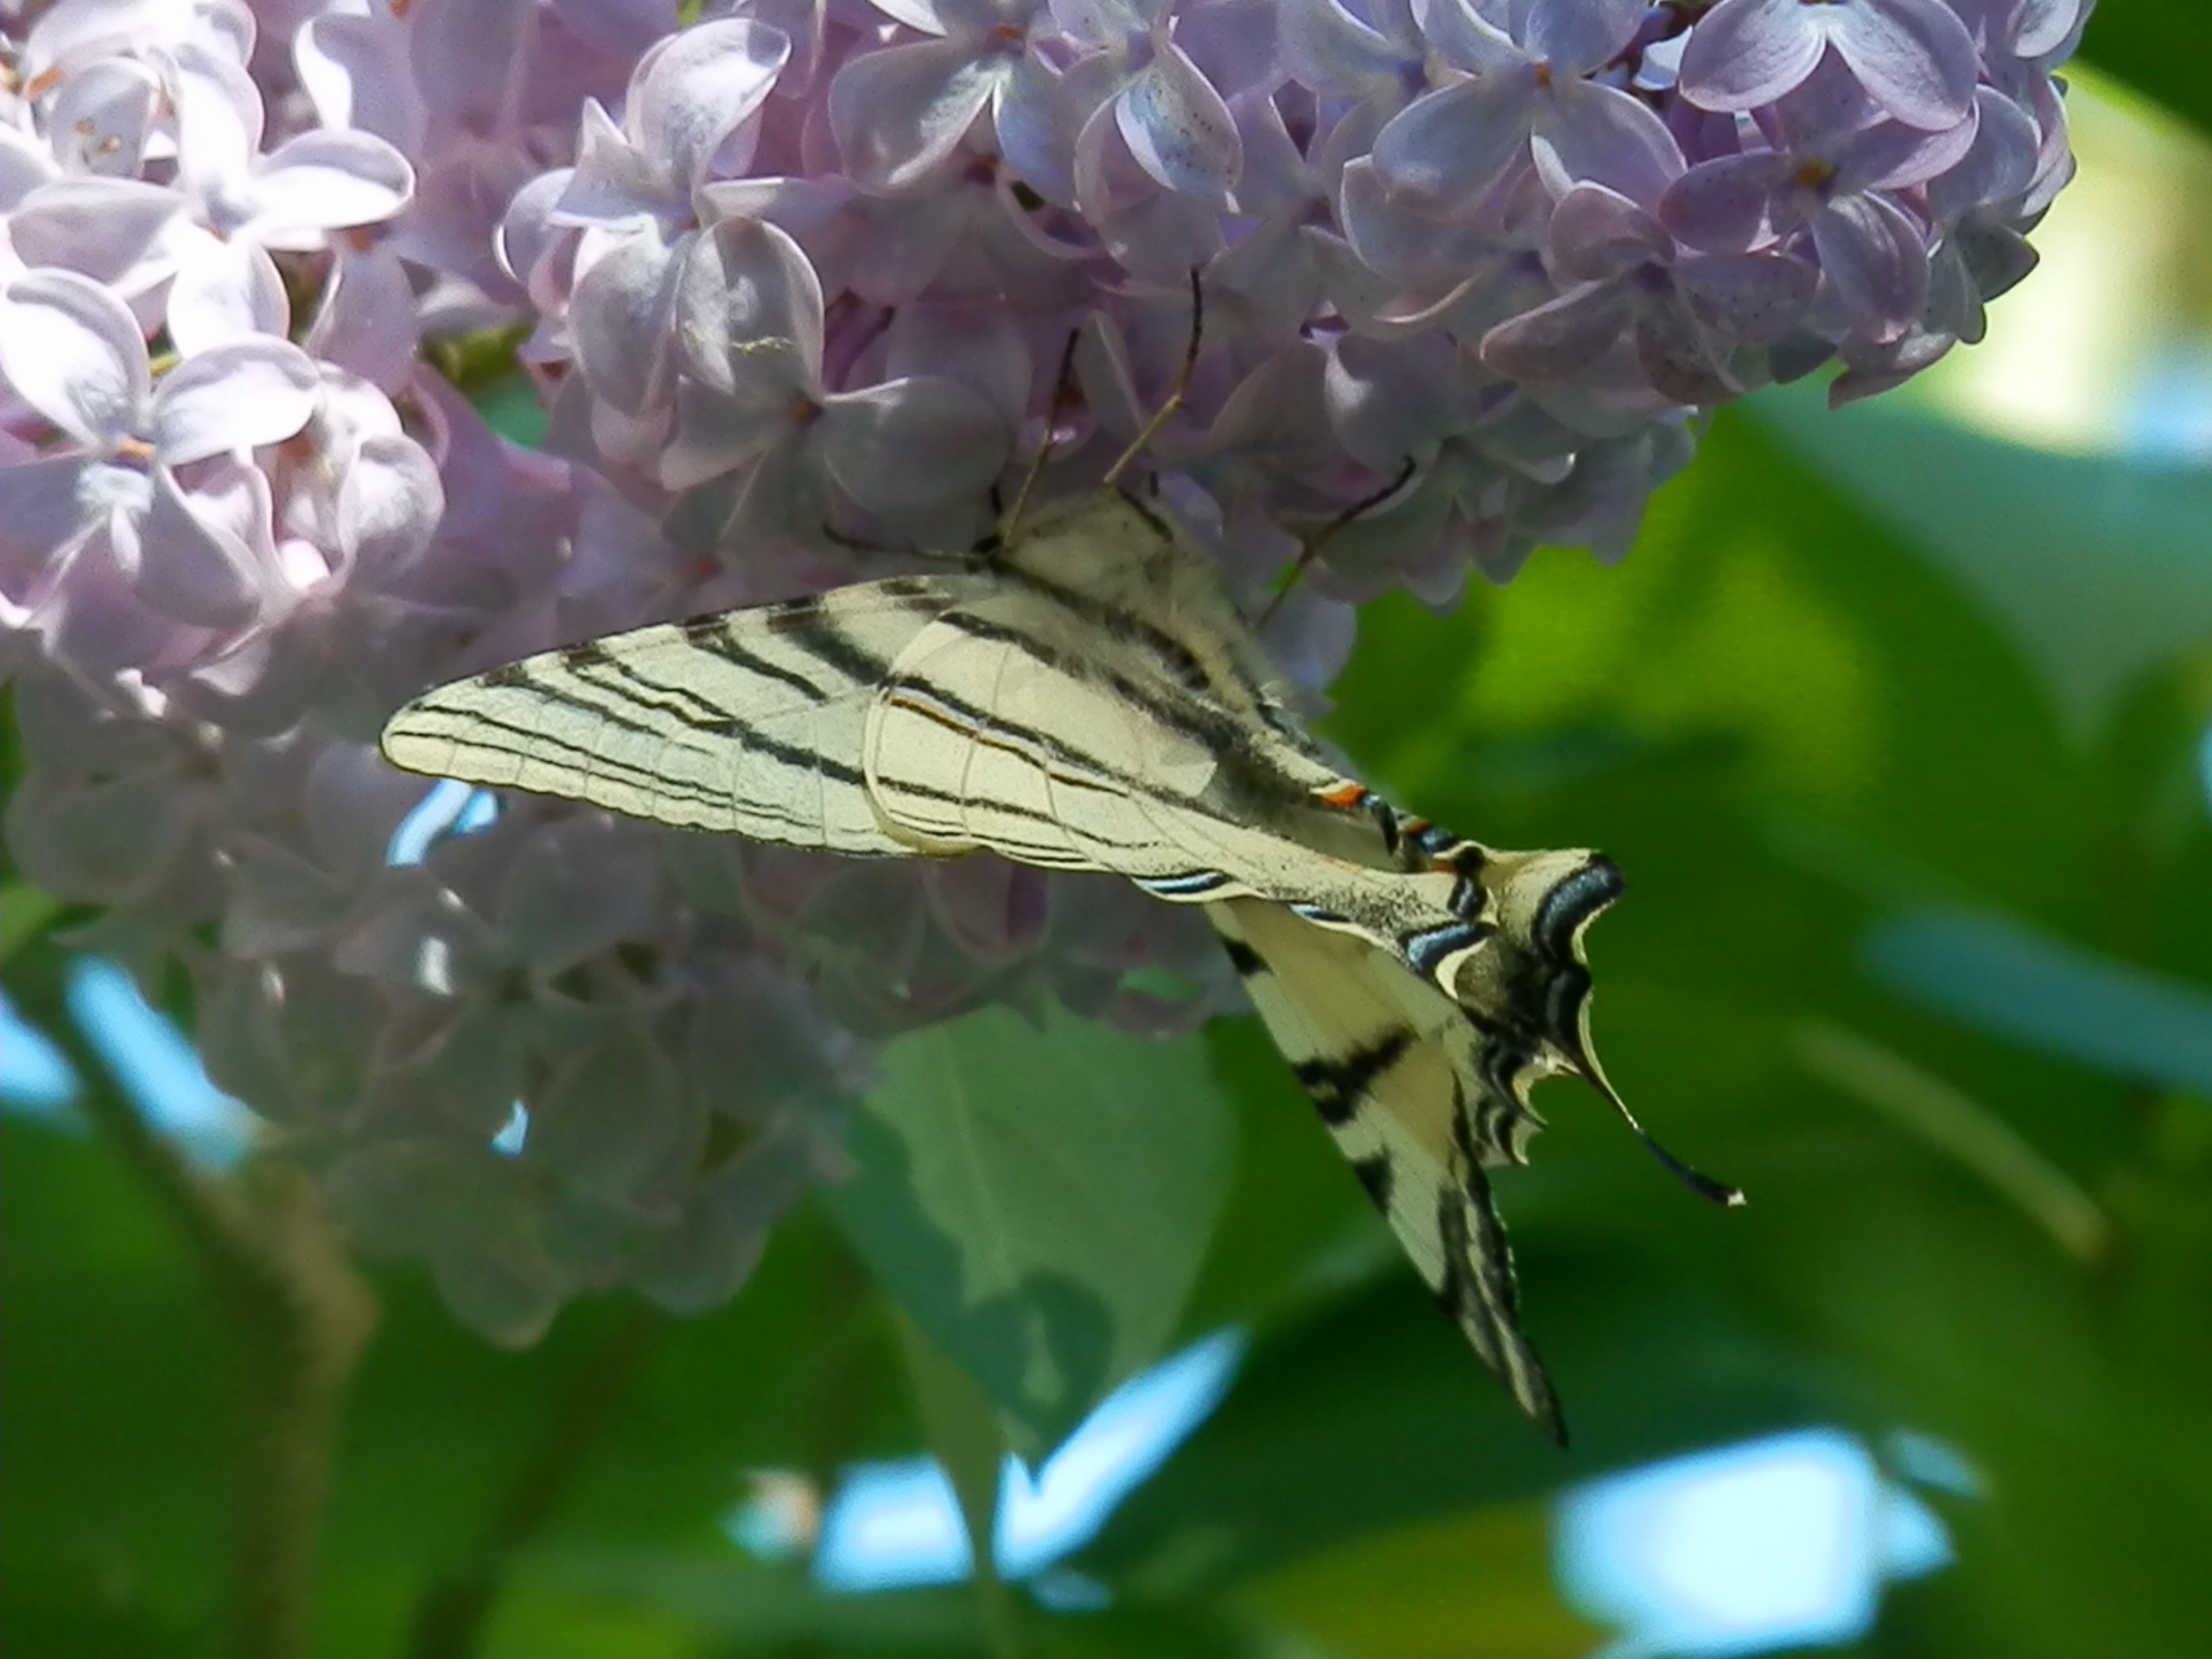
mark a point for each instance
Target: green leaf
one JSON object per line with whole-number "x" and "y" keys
{"x": 26, "y": 913}
{"x": 968, "y": 1439}
{"x": 1998, "y": 976}
{"x": 1414, "y": 1592}
{"x": 1039, "y": 1202}
{"x": 2158, "y": 47}
{"x": 1374, "y": 1416}
{"x": 2014, "y": 526}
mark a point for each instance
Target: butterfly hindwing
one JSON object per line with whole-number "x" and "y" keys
{"x": 1396, "y": 1071}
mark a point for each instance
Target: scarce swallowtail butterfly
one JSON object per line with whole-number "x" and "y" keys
{"x": 1086, "y": 696}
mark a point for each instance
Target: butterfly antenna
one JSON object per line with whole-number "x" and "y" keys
{"x": 1062, "y": 392}
{"x": 1321, "y": 537}
{"x": 1696, "y": 1180}
{"x": 1167, "y": 411}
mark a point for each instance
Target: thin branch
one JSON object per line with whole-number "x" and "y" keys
{"x": 1953, "y": 1121}
{"x": 451, "y": 1617}
{"x": 299, "y": 1313}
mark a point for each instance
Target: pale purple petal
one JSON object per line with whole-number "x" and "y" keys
{"x": 356, "y": 69}
{"x": 1328, "y": 48}
{"x": 783, "y": 493}
{"x": 912, "y": 442}
{"x": 614, "y": 185}
{"x": 611, "y": 1121}
{"x": 206, "y": 557}
{"x": 224, "y": 291}
{"x": 42, "y": 514}
{"x": 1466, "y": 38}
{"x": 1234, "y": 45}
{"x": 1577, "y": 37}
{"x": 1585, "y": 133}
{"x": 233, "y": 396}
{"x": 67, "y": 37}
{"x": 748, "y": 314}
{"x": 1445, "y": 148}
{"x": 454, "y": 43}
{"x": 219, "y": 120}
{"x": 328, "y": 181}
{"x": 574, "y": 889}
{"x": 2045, "y": 26}
{"x": 93, "y": 621}
{"x": 1035, "y": 133}
{"x": 2000, "y": 165}
{"x": 1875, "y": 255}
{"x": 112, "y": 230}
{"x": 1745, "y": 53}
{"x": 619, "y": 321}
{"x": 281, "y": 901}
{"x": 366, "y": 322}
{"x": 1178, "y": 128}
{"x": 73, "y": 351}
{"x": 1729, "y": 204}
{"x": 995, "y": 909}
{"x": 101, "y": 114}
{"x": 1389, "y": 401}
{"x": 1756, "y": 297}
{"x": 1914, "y": 57}
{"x": 1561, "y": 338}
{"x": 694, "y": 88}
{"x": 1401, "y": 246}
{"x": 2055, "y": 160}
{"x": 983, "y": 348}
{"x": 1872, "y": 369}
{"x": 1596, "y": 233}
{"x": 1678, "y": 360}
{"x": 25, "y": 164}
{"x": 931, "y": 16}
{"x": 389, "y": 506}
{"x": 716, "y": 432}
{"x": 622, "y": 30}
{"x": 109, "y": 841}
{"x": 529, "y": 237}
{"x": 1107, "y": 22}
{"x": 899, "y": 112}
{"x": 1890, "y": 155}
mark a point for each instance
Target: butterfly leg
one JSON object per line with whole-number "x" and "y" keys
{"x": 1168, "y": 409}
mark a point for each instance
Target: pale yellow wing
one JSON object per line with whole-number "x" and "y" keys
{"x": 1420, "y": 1101}
{"x": 749, "y": 720}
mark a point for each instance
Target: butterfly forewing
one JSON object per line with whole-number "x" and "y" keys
{"x": 749, "y": 721}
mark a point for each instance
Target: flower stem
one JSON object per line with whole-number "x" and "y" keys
{"x": 452, "y": 1616}
{"x": 298, "y": 1311}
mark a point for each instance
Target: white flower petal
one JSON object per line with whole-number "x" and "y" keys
{"x": 73, "y": 351}
{"x": 232, "y": 396}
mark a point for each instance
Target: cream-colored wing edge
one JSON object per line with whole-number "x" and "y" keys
{"x": 748, "y": 722}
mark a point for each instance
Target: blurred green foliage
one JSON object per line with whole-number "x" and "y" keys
{"x": 1894, "y": 729}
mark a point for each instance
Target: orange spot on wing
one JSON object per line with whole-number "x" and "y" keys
{"x": 1345, "y": 795}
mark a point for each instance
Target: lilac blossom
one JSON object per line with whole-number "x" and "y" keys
{"x": 794, "y": 282}
{"x": 1913, "y": 57}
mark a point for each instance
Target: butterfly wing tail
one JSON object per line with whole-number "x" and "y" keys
{"x": 1393, "y": 1068}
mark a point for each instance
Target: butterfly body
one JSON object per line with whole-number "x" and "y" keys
{"x": 1088, "y": 697}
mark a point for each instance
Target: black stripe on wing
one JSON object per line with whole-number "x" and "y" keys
{"x": 1339, "y": 1083}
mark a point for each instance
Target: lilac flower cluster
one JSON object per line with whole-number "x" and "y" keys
{"x": 796, "y": 282}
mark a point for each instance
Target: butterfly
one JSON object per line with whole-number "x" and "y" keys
{"x": 1086, "y": 696}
